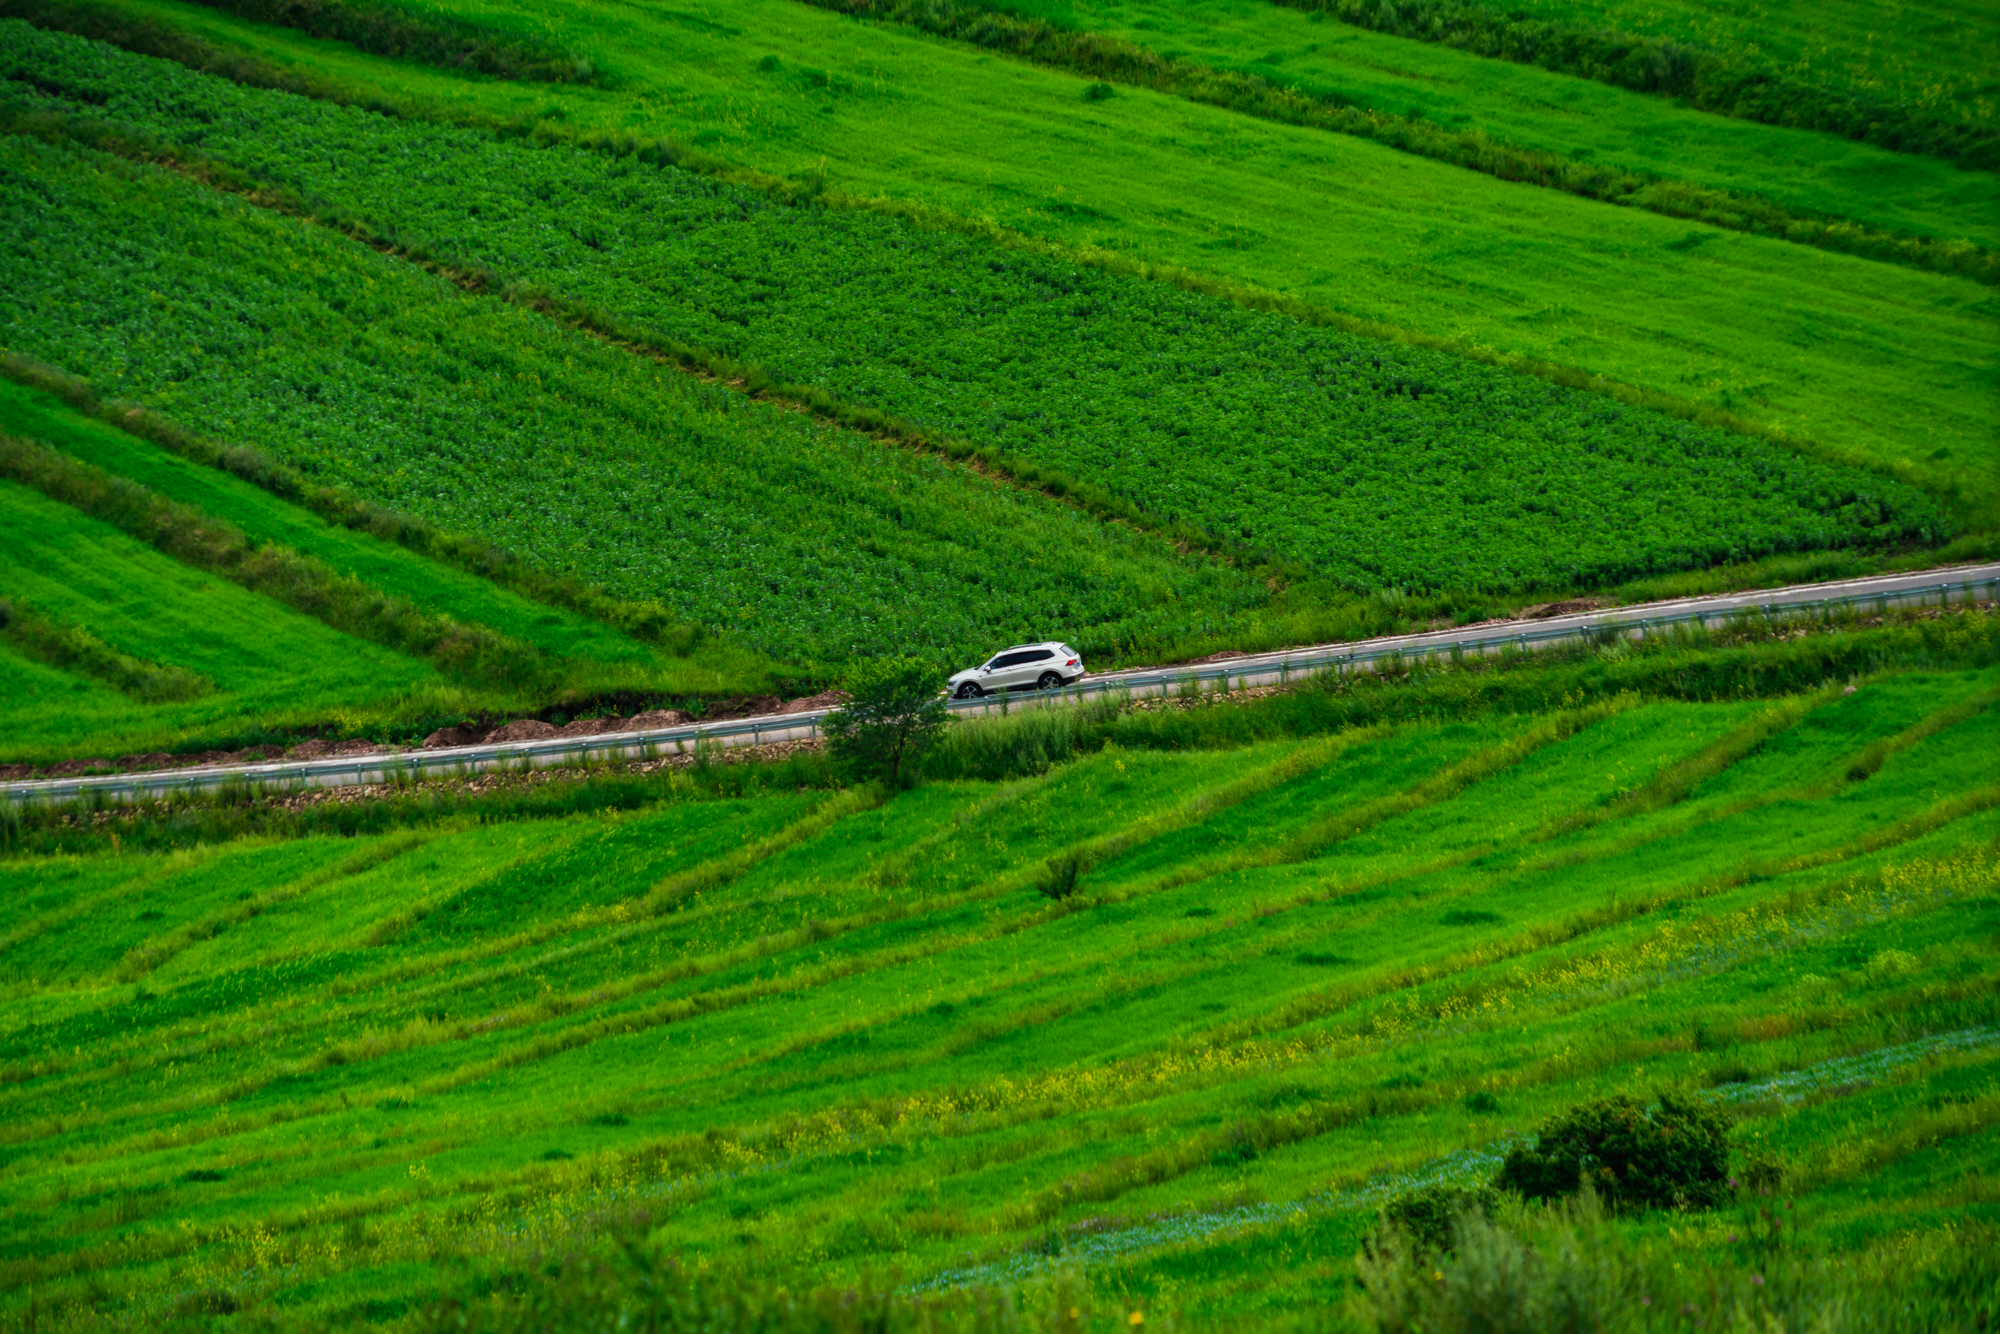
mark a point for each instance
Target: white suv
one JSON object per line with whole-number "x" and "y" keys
{"x": 1045, "y": 666}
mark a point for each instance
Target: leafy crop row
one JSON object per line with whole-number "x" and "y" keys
{"x": 1372, "y": 463}
{"x": 364, "y": 372}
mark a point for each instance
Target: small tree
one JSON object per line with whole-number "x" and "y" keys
{"x": 1675, "y": 1154}
{"x": 895, "y": 709}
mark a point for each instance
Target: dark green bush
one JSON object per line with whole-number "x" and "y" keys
{"x": 1429, "y": 1217}
{"x": 1674, "y": 1155}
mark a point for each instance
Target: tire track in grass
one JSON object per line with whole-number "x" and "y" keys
{"x": 572, "y": 1207}
{"x": 1461, "y": 1167}
{"x": 1130, "y": 1083}
{"x": 1741, "y": 742}
{"x": 147, "y": 956}
{"x": 669, "y": 1012}
{"x": 1201, "y": 806}
{"x": 814, "y": 821}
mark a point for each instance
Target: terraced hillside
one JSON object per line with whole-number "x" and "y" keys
{"x": 1172, "y": 1017}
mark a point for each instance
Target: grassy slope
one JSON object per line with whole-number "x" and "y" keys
{"x": 875, "y": 1045}
{"x": 267, "y": 663}
{"x": 29, "y": 413}
{"x": 1812, "y": 174}
{"x": 1877, "y": 362}
{"x": 1939, "y": 54}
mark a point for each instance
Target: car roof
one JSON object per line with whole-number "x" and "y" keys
{"x": 1040, "y": 643}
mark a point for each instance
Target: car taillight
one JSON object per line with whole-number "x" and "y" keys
{"x": 1070, "y": 663}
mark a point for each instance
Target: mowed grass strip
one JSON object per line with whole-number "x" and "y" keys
{"x": 1820, "y": 346}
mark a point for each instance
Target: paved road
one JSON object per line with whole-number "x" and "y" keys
{"x": 1956, "y": 584}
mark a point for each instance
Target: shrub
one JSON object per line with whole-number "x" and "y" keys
{"x": 1060, "y": 876}
{"x": 894, "y": 712}
{"x": 1429, "y": 1216}
{"x": 1673, "y": 1155}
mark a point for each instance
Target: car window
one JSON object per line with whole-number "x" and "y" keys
{"x": 1042, "y": 655}
{"x": 1004, "y": 660}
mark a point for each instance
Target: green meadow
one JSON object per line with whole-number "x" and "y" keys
{"x": 1938, "y": 54}
{"x": 503, "y": 359}
{"x": 1522, "y": 105}
{"x": 789, "y": 1033}
{"x": 1872, "y": 362}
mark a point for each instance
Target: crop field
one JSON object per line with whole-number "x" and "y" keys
{"x": 1266, "y": 434}
{"x": 34, "y": 415}
{"x": 805, "y": 1035}
{"x": 589, "y": 461}
{"x": 134, "y": 650}
{"x": 1874, "y": 362}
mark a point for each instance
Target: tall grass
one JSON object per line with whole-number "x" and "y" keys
{"x": 305, "y": 583}
{"x": 647, "y": 621}
{"x": 74, "y": 649}
{"x": 1719, "y": 81}
{"x": 1568, "y": 1267}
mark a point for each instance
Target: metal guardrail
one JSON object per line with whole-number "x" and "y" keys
{"x": 1249, "y": 671}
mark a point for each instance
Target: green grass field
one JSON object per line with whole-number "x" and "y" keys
{"x": 802, "y": 1036}
{"x": 652, "y": 354}
{"x": 1812, "y": 174}
{"x": 1873, "y": 361}
{"x": 1938, "y": 54}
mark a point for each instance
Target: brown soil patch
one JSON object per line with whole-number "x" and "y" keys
{"x": 743, "y": 706}
{"x": 454, "y": 736}
{"x": 1544, "y": 610}
{"x": 826, "y": 699}
{"x": 653, "y": 718}
{"x": 521, "y": 729}
{"x": 591, "y": 727}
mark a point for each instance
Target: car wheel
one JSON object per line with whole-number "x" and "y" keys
{"x": 970, "y": 690}
{"x": 1049, "y": 681}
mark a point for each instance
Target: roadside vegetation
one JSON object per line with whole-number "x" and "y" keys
{"x": 577, "y": 1048}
